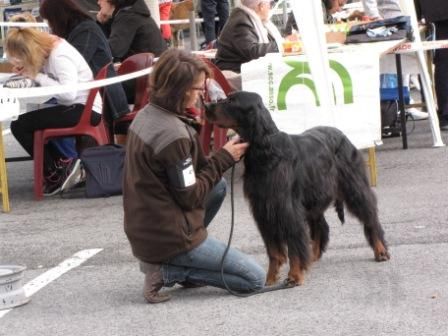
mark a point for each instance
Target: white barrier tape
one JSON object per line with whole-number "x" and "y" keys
{"x": 409, "y": 47}
{"x": 180, "y": 21}
{"x": 54, "y": 90}
{"x": 24, "y": 24}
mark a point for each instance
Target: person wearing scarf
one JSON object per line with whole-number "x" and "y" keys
{"x": 247, "y": 35}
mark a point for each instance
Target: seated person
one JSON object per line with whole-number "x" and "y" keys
{"x": 131, "y": 30}
{"x": 50, "y": 61}
{"x": 247, "y": 35}
{"x": 381, "y": 9}
{"x": 69, "y": 21}
{"x": 329, "y": 7}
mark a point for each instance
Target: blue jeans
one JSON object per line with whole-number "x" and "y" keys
{"x": 202, "y": 265}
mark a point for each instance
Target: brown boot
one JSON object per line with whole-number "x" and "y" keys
{"x": 153, "y": 283}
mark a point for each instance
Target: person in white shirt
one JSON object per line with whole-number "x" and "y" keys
{"x": 50, "y": 61}
{"x": 388, "y": 9}
{"x": 381, "y": 9}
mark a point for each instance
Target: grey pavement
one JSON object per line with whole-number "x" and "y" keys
{"x": 345, "y": 293}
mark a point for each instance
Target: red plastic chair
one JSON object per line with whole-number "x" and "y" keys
{"x": 131, "y": 64}
{"x": 98, "y": 133}
{"x": 219, "y": 134}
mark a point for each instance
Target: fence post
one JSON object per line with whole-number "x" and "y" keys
{"x": 193, "y": 36}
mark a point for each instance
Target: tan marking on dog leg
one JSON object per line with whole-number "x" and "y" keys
{"x": 276, "y": 260}
{"x": 381, "y": 253}
{"x": 317, "y": 253}
{"x": 296, "y": 273}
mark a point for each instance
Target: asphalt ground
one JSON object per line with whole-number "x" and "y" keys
{"x": 345, "y": 293}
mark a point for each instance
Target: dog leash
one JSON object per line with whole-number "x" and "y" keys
{"x": 283, "y": 285}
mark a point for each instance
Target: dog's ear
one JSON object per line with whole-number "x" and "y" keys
{"x": 259, "y": 118}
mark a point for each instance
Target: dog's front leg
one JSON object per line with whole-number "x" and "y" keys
{"x": 296, "y": 275}
{"x": 277, "y": 257}
{"x": 298, "y": 254}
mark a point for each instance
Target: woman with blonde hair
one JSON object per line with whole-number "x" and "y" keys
{"x": 50, "y": 61}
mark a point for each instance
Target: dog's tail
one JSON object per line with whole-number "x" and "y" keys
{"x": 339, "y": 206}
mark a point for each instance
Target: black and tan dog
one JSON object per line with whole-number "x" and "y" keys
{"x": 290, "y": 180}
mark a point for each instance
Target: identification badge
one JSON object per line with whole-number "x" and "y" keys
{"x": 189, "y": 176}
{"x": 182, "y": 175}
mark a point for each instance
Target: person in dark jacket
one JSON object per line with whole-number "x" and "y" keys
{"x": 171, "y": 191}
{"x": 436, "y": 11}
{"x": 247, "y": 35}
{"x": 69, "y": 21}
{"x": 130, "y": 28}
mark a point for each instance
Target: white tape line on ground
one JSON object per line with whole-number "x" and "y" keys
{"x": 44, "y": 279}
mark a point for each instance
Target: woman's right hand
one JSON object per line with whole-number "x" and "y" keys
{"x": 236, "y": 148}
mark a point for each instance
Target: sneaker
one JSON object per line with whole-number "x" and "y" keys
{"x": 52, "y": 184}
{"x": 416, "y": 114}
{"x": 73, "y": 175}
{"x": 56, "y": 177}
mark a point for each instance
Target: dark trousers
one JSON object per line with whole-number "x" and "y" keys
{"x": 209, "y": 9}
{"x": 441, "y": 71}
{"x": 58, "y": 116}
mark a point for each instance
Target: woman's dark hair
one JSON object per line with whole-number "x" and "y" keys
{"x": 62, "y": 15}
{"x": 173, "y": 75}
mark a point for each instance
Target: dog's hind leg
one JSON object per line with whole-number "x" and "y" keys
{"x": 367, "y": 213}
{"x": 359, "y": 198}
{"x": 361, "y": 202}
{"x": 277, "y": 257}
{"x": 319, "y": 231}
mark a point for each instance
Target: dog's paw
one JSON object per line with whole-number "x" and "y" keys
{"x": 382, "y": 256}
{"x": 295, "y": 279}
{"x": 290, "y": 282}
{"x": 271, "y": 281}
{"x": 380, "y": 251}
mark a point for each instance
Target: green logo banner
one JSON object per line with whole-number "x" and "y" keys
{"x": 298, "y": 76}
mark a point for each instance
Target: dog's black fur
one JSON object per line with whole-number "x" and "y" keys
{"x": 290, "y": 180}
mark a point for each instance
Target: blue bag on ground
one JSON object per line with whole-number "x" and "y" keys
{"x": 104, "y": 170}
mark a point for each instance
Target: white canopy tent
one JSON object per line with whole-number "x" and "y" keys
{"x": 309, "y": 15}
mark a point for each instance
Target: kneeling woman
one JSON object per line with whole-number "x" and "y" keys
{"x": 50, "y": 61}
{"x": 171, "y": 191}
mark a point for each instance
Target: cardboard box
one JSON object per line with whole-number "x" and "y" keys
{"x": 335, "y": 37}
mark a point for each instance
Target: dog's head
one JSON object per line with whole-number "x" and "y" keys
{"x": 243, "y": 112}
